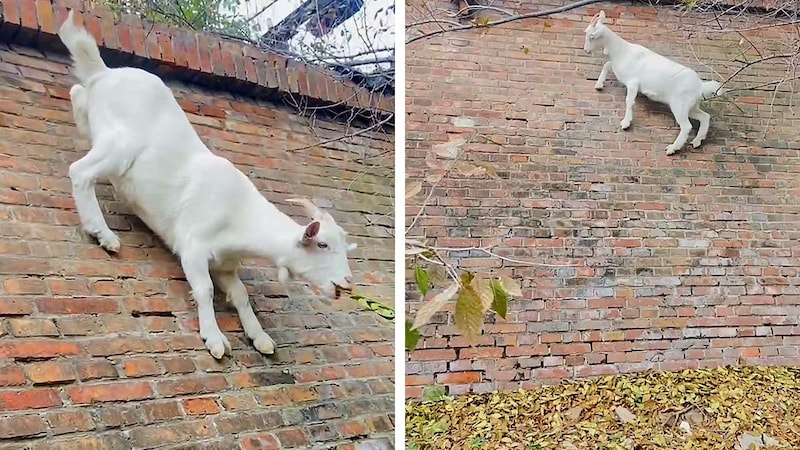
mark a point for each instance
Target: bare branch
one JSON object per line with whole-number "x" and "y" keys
{"x": 546, "y": 12}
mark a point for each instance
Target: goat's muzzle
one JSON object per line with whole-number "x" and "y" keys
{"x": 339, "y": 289}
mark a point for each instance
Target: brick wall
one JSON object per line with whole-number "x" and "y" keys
{"x": 669, "y": 262}
{"x": 102, "y": 352}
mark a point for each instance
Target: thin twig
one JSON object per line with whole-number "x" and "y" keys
{"x": 546, "y": 12}
{"x": 388, "y": 119}
{"x": 435, "y": 185}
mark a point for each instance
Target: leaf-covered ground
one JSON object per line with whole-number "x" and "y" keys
{"x": 692, "y": 409}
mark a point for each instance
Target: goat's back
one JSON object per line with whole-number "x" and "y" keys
{"x": 659, "y": 78}
{"x": 134, "y": 101}
{"x": 162, "y": 163}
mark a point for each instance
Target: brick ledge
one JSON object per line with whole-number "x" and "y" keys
{"x": 185, "y": 54}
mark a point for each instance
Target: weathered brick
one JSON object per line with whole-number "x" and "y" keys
{"x": 113, "y": 335}
{"x": 50, "y": 372}
{"x": 625, "y": 255}
{"x": 16, "y": 400}
{"x": 110, "y": 392}
{"x": 22, "y": 426}
{"x": 200, "y": 406}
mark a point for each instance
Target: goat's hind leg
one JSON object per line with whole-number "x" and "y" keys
{"x": 236, "y": 293}
{"x": 630, "y": 99}
{"x": 705, "y": 120}
{"x": 681, "y": 113}
{"x": 99, "y": 163}
{"x": 80, "y": 109}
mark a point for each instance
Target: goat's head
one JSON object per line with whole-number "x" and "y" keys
{"x": 322, "y": 249}
{"x": 595, "y": 32}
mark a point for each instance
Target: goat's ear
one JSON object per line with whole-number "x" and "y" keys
{"x": 311, "y": 230}
{"x": 351, "y": 247}
{"x": 602, "y": 16}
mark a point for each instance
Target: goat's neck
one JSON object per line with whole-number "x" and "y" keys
{"x": 614, "y": 45}
{"x": 272, "y": 234}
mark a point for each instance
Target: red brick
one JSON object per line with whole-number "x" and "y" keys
{"x": 50, "y": 372}
{"x": 11, "y": 11}
{"x": 458, "y": 378}
{"x": 44, "y": 13}
{"x": 24, "y": 286}
{"x": 18, "y": 426}
{"x": 28, "y": 13}
{"x": 261, "y": 442}
{"x": 110, "y": 392}
{"x": 76, "y": 306}
{"x": 41, "y": 348}
{"x": 28, "y": 399}
{"x": 293, "y": 437}
{"x": 140, "y": 367}
{"x": 200, "y": 406}
{"x": 70, "y": 421}
{"x": 32, "y": 327}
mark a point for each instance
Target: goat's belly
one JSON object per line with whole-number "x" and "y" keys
{"x": 158, "y": 219}
{"x": 652, "y": 95}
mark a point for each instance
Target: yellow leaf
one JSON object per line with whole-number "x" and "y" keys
{"x": 448, "y": 149}
{"x": 469, "y": 313}
{"x": 413, "y": 188}
{"x": 483, "y": 288}
{"x": 432, "y": 306}
{"x": 435, "y": 177}
{"x": 469, "y": 170}
{"x": 433, "y": 163}
{"x": 511, "y": 287}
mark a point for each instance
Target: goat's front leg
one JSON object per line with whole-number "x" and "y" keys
{"x": 98, "y": 163}
{"x": 630, "y": 99}
{"x": 195, "y": 266}
{"x": 603, "y": 74}
{"x": 705, "y": 120}
{"x": 681, "y": 113}
{"x": 236, "y": 292}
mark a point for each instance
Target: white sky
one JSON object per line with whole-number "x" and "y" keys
{"x": 363, "y": 27}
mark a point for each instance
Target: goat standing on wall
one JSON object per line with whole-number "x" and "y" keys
{"x": 207, "y": 211}
{"x": 660, "y": 79}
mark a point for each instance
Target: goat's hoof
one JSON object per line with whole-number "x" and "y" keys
{"x": 696, "y": 143}
{"x": 110, "y": 243}
{"x": 671, "y": 149}
{"x": 598, "y": 85}
{"x": 218, "y": 345}
{"x": 625, "y": 124}
{"x": 264, "y": 344}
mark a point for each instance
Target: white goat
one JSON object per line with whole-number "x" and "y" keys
{"x": 207, "y": 211}
{"x": 660, "y": 79}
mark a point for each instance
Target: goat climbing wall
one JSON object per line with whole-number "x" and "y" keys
{"x": 103, "y": 352}
{"x": 637, "y": 260}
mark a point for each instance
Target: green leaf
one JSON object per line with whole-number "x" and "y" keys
{"x": 466, "y": 278}
{"x": 469, "y": 313}
{"x": 421, "y": 277}
{"x": 437, "y": 275}
{"x": 500, "y": 302}
{"x": 412, "y": 337}
{"x": 433, "y": 394}
{"x": 525, "y": 50}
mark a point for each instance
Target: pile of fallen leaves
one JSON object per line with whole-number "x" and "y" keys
{"x": 723, "y": 408}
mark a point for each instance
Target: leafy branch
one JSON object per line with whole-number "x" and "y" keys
{"x": 475, "y": 294}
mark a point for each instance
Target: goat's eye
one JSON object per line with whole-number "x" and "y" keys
{"x": 322, "y": 245}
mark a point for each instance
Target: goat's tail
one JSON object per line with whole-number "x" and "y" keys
{"x": 83, "y": 49}
{"x": 711, "y": 89}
